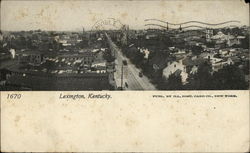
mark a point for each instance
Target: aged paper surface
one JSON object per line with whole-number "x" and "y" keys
{"x": 124, "y": 76}
{"x": 42, "y": 122}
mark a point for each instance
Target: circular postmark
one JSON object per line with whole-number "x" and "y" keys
{"x": 107, "y": 24}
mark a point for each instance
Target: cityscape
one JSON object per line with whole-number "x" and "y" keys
{"x": 163, "y": 55}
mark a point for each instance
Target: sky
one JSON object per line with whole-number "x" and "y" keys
{"x": 64, "y": 15}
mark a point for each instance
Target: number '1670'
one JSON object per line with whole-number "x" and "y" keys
{"x": 14, "y": 96}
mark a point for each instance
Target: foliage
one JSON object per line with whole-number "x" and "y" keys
{"x": 49, "y": 65}
{"x": 229, "y": 78}
{"x": 196, "y": 50}
{"x": 173, "y": 82}
{"x": 108, "y": 57}
{"x": 210, "y": 44}
{"x": 202, "y": 79}
{"x": 245, "y": 42}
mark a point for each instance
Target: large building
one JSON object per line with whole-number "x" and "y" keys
{"x": 18, "y": 79}
{"x": 36, "y": 58}
{"x": 30, "y": 57}
{"x": 85, "y": 57}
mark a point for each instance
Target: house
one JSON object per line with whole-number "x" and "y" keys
{"x": 145, "y": 51}
{"x": 224, "y": 52}
{"x": 192, "y": 63}
{"x": 184, "y": 67}
{"x": 221, "y": 38}
{"x": 239, "y": 39}
{"x": 217, "y": 63}
{"x": 233, "y": 60}
{"x": 233, "y": 52}
{"x": 151, "y": 36}
{"x": 230, "y": 40}
{"x": 173, "y": 68}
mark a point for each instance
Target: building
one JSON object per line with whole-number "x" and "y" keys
{"x": 184, "y": 67}
{"x": 124, "y": 35}
{"x": 30, "y": 57}
{"x": 86, "y": 57}
{"x": 174, "y": 67}
{"x": 235, "y": 40}
{"x": 233, "y": 60}
{"x": 209, "y": 34}
{"x": 220, "y": 37}
{"x": 230, "y": 40}
{"x": 67, "y": 81}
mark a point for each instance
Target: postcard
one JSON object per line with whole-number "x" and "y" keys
{"x": 124, "y": 76}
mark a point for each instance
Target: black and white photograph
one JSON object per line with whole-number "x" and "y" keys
{"x": 124, "y": 45}
{"x": 124, "y": 76}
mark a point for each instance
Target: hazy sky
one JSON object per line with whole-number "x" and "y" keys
{"x": 73, "y": 15}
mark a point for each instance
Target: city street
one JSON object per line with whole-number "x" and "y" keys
{"x": 130, "y": 72}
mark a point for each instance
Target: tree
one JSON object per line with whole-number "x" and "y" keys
{"x": 138, "y": 58}
{"x": 245, "y": 42}
{"x": 196, "y": 50}
{"x": 246, "y": 67}
{"x": 210, "y": 44}
{"x": 173, "y": 82}
{"x": 108, "y": 57}
{"x": 202, "y": 79}
{"x": 236, "y": 31}
{"x": 229, "y": 78}
{"x": 167, "y": 41}
{"x": 49, "y": 65}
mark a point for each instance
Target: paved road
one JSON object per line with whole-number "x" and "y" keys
{"x": 131, "y": 73}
